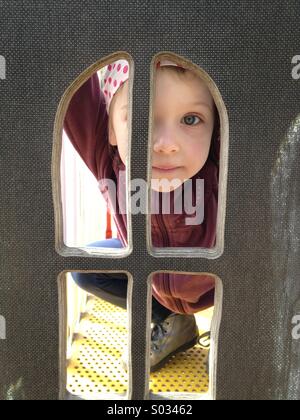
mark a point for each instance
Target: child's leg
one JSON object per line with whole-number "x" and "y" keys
{"x": 107, "y": 243}
{"x": 112, "y": 287}
{"x": 159, "y": 312}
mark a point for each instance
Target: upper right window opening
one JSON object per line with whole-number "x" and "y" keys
{"x": 189, "y": 137}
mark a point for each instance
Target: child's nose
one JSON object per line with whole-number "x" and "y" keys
{"x": 165, "y": 142}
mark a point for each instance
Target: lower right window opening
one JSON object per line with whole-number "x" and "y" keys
{"x": 185, "y": 321}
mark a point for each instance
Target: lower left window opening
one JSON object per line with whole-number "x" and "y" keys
{"x": 97, "y": 335}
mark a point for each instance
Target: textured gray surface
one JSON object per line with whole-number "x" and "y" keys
{"x": 247, "y": 48}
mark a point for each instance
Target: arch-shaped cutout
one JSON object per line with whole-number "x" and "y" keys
{"x": 91, "y": 155}
{"x": 209, "y": 317}
{"x": 94, "y": 325}
{"x": 182, "y": 233}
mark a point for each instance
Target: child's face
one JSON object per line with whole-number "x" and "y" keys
{"x": 183, "y": 126}
{"x": 118, "y": 127}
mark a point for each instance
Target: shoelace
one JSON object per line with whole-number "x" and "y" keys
{"x": 204, "y": 340}
{"x": 157, "y": 333}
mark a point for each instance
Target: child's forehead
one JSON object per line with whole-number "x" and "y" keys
{"x": 181, "y": 77}
{"x": 184, "y": 82}
{"x": 188, "y": 86}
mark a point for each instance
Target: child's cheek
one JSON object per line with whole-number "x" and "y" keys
{"x": 124, "y": 118}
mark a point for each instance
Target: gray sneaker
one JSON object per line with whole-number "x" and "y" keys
{"x": 176, "y": 334}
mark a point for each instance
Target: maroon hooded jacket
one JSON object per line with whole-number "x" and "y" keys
{"x": 86, "y": 124}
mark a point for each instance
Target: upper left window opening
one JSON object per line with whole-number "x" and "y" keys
{"x": 94, "y": 157}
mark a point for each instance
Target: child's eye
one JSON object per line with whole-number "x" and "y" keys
{"x": 191, "y": 120}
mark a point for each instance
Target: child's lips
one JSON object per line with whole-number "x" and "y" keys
{"x": 165, "y": 168}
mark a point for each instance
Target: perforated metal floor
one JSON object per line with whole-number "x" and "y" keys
{"x": 95, "y": 368}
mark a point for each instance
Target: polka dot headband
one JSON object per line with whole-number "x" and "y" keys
{"x": 114, "y": 75}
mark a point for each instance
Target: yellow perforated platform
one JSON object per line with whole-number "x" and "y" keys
{"x": 95, "y": 368}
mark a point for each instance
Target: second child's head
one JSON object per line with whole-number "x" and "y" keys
{"x": 184, "y": 121}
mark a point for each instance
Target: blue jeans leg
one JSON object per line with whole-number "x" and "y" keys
{"x": 112, "y": 287}
{"x": 107, "y": 243}
{"x": 107, "y": 286}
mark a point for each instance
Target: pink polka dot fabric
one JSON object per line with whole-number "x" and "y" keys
{"x": 113, "y": 76}
{"x": 117, "y": 73}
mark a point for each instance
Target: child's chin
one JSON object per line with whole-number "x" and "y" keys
{"x": 165, "y": 185}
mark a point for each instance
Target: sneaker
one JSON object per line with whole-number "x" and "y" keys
{"x": 176, "y": 334}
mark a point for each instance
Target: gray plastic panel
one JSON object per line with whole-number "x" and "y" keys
{"x": 247, "y": 48}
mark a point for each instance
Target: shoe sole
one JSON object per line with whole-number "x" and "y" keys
{"x": 183, "y": 348}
